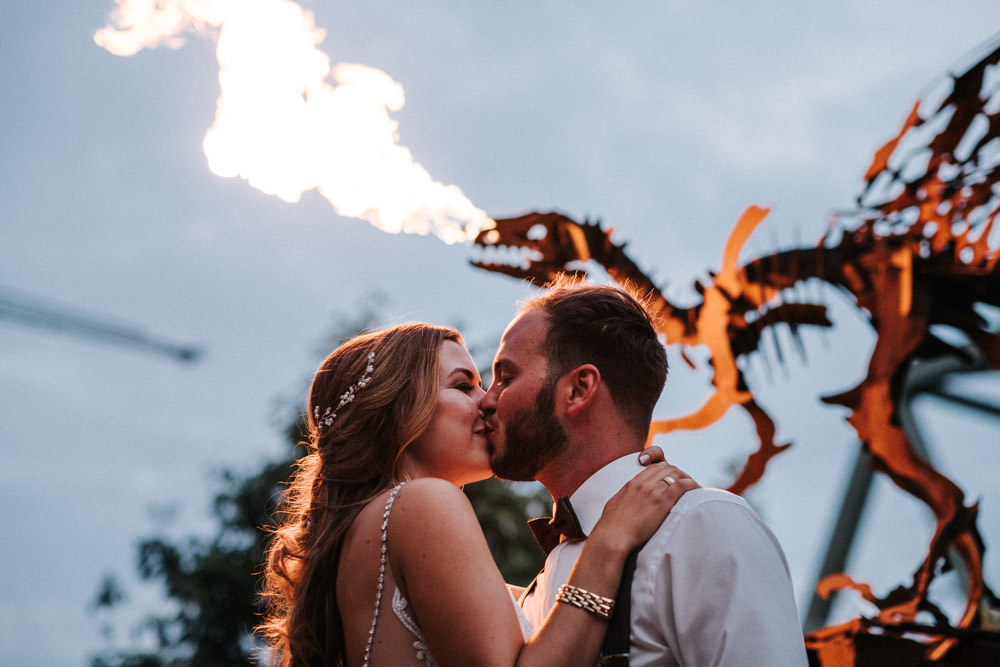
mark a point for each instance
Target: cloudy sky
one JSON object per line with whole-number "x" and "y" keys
{"x": 665, "y": 119}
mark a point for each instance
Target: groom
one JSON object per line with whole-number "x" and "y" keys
{"x": 574, "y": 384}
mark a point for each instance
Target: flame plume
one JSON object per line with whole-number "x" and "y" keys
{"x": 287, "y": 122}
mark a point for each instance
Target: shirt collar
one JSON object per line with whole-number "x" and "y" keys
{"x": 590, "y": 497}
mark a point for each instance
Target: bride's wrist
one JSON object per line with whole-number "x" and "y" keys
{"x": 609, "y": 544}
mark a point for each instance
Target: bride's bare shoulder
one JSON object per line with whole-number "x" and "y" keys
{"x": 425, "y": 498}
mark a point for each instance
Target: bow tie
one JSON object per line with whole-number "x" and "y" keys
{"x": 549, "y": 532}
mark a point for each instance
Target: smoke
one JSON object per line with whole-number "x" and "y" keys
{"x": 287, "y": 122}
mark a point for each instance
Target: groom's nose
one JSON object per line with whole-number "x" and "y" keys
{"x": 488, "y": 403}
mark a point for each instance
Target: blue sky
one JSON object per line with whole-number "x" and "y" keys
{"x": 665, "y": 119}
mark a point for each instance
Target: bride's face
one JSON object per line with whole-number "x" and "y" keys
{"x": 453, "y": 446}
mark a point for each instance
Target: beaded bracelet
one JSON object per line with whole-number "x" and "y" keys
{"x": 598, "y": 605}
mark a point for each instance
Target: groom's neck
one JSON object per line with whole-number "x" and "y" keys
{"x": 575, "y": 466}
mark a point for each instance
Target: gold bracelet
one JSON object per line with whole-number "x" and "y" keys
{"x": 598, "y": 605}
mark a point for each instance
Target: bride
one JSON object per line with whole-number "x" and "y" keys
{"x": 378, "y": 558}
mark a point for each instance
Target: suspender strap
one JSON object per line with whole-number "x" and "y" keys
{"x": 617, "y": 642}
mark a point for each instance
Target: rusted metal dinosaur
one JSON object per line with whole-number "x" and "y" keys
{"x": 915, "y": 253}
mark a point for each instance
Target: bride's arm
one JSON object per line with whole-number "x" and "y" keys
{"x": 442, "y": 563}
{"x": 571, "y": 635}
{"x": 652, "y": 454}
{"x": 440, "y": 559}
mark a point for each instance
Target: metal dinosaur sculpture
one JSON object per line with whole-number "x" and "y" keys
{"x": 916, "y": 252}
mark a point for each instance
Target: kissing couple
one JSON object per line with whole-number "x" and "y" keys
{"x": 378, "y": 558}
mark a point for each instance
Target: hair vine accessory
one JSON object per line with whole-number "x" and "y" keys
{"x": 331, "y": 413}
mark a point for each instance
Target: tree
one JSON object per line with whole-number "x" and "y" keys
{"x": 212, "y": 583}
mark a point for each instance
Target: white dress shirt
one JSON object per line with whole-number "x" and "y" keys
{"x": 711, "y": 587}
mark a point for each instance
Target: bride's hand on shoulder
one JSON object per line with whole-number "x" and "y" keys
{"x": 637, "y": 510}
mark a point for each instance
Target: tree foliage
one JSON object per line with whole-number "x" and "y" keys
{"x": 211, "y": 583}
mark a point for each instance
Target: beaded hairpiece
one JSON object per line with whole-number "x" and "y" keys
{"x": 331, "y": 413}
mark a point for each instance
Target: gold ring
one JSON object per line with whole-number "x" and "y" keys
{"x": 669, "y": 480}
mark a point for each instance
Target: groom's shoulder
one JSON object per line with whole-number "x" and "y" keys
{"x": 714, "y": 515}
{"x": 707, "y": 501}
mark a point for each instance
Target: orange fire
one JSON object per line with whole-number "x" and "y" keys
{"x": 287, "y": 122}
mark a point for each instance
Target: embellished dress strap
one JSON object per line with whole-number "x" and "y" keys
{"x": 381, "y": 573}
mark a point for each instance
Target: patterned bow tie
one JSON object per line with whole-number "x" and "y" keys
{"x": 549, "y": 532}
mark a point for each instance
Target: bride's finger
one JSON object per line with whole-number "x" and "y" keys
{"x": 659, "y": 475}
{"x": 675, "y": 477}
{"x": 652, "y": 454}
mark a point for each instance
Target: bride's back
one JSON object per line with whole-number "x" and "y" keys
{"x": 358, "y": 576}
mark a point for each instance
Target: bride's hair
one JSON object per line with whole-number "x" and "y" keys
{"x": 382, "y": 387}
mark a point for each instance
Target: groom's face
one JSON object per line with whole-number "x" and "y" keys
{"x": 524, "y": 433}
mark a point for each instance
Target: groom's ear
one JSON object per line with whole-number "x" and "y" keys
{"x": 580, "y": 389}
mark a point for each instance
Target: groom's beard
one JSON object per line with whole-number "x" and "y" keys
{"x": 533, "y": 437}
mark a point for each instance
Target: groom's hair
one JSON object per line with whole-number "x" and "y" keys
{"x": 609, "y": 327}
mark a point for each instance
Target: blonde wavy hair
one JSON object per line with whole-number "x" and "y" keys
{"x": 349, "y": 462}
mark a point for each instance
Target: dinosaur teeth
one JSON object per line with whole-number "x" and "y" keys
{"x": 502, "y": 255}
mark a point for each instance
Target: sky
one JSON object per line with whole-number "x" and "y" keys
{"x": 664, "y": 119}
